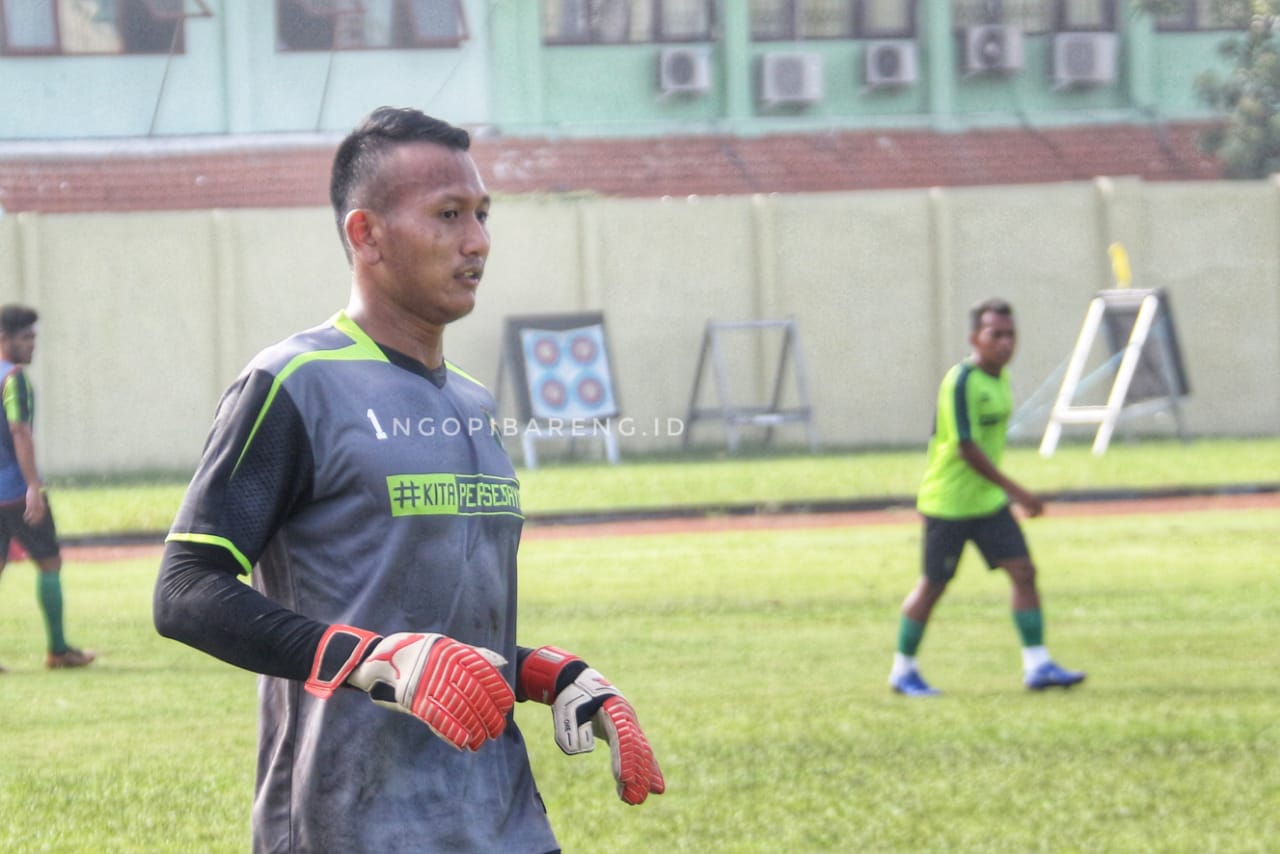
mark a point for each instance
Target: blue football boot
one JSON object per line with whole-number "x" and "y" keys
{"x": 910, "y": 684}
{"x": 1050, "y": 675}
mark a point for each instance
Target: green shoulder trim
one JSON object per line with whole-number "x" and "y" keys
{"x": 362, "y": 348}
{"x": 366, "y": 347}
{"x": 451, "y": 366}
{"x": 18, "y": 399}
{"x": 211, "y": 540}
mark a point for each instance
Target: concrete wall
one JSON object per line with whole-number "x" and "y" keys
{"x": 147, "y": 317}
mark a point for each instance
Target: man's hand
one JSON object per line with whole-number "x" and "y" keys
{"x": 981, "y": 463}
{"x": 453, "y": 688}
{"x": 37, "y": 505}
{"x": 1028, "y": 501}
{"x": 583, "y": 705}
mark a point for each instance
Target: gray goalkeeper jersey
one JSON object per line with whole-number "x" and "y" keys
{"x": 362, "y": 492}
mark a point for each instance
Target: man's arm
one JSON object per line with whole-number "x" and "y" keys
{"x": 17, "y": 411}
{"x": 455, "y": 689}
{"x": 255, "y": 471}
{"x": 200, "y": 601}
{"x": 981, "y": 463}
{"x": 24, "y": 448}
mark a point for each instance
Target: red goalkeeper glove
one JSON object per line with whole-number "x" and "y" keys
{"x": 583, "y": 705}
{"x": 453, "y": 688}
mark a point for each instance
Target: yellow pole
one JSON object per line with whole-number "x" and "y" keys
{"x": 1120, "y": 264}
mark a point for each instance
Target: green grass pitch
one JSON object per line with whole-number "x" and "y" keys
{"x": 757, "y": 662}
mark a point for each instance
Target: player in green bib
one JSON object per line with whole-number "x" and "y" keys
{"x": 965, "y": 497}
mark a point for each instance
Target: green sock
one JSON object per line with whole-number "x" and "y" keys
{"x": 49, "y": 592}
{"x": 910, "y": 633}
{"x": 1030, "y": 625}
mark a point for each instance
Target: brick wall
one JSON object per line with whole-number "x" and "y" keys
{"x": 146, "y": 176}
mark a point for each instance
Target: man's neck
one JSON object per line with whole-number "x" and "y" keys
{"x": 421, "y": 341}
{"x": 991, "y": 370}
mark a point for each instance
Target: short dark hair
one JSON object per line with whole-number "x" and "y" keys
{"x": 15, "y": 318}
{"x": 994, "y": 305}
{"x": 353, "y": 180}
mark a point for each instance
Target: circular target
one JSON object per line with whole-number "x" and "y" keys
{"x": 546, "y": 351}
{"x": 591, "y": 392}
{"x": 584, "y": 349}
{"x": 553, "y": 393}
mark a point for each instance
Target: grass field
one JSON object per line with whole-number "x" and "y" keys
{"x": 757, "y": 661}
{"x": 91, "y": 506}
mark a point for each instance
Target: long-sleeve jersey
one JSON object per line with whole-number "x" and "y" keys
{"x": 356, "y": 487}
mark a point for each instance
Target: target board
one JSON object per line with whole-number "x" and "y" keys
{"x": 563, "y": 362}
{"x": 1160, "y": 372}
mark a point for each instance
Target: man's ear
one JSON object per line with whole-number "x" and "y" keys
{"x": 361, "y": 229}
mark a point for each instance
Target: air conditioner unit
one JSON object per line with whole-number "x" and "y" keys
{"x": 889, "y": 63}
{"x": 791, "y": 78}
{"x": 1084, "y": 59}
{"x": 992, "y": 47}
{"x": 684, "y": 71}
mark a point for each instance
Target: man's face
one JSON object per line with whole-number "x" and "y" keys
{"x": 20, "y": 346}
{"x": 994, "y": 341}
{"x": 433, "y": 234}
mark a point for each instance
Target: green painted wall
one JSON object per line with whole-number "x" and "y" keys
{"x": 232, "y": 80}
{"x": 602, "y": 90}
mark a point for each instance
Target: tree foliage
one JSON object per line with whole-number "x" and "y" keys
{"x": 1247, "y": 139}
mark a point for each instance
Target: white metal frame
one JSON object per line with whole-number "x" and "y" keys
{"x": 737, "y": 417}
{"x": 1108, "y": 415}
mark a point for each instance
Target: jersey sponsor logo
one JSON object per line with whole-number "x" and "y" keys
{"x": 453, "y": 495}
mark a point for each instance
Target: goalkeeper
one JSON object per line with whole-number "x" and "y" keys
{"x": 383, "y": 557}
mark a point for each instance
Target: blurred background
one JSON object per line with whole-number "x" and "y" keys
{"x": 864, "y": 169}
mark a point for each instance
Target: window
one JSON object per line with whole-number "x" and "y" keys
{"x": 1030, "y": 16}
{"x": 789, "y": 20}
{"x": 824, "y": 19}
{"x": 1087, "y": 15}
{"x": 886, "y": 18}
{"x": 626, "y": 21}
{"x": 369, "y": 24}
{"x": 1038, "y": 16}
{"x": 1204, "y": 15}
{"x": 688, "y": 21}
{"x": 52, "y": 27}
{"x": 772, "y": 20}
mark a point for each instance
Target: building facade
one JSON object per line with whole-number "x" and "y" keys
{"x": 80, "y": 69}
{"x": 157, "y": 104}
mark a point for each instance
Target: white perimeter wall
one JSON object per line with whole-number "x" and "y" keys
{"x": 145, "y": 318}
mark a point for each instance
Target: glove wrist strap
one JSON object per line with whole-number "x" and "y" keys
{"x": 546, "y": 671}
{"x": 339, "y": 652}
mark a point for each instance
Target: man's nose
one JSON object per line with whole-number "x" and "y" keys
{"x": 476, "y": 239}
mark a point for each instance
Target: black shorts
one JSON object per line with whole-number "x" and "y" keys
{"x": 40, "y": 540}
{"x": 998, "y": 537}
